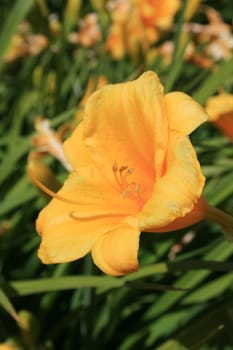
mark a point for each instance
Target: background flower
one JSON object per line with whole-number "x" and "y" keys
{"x": 220, "y": 110}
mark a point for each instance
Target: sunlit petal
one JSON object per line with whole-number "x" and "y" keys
{"x": 197, "y": 214}
{"x": 176, "y": 193}
{"x": 69, "y": 230}
{"x": 116, "y": 252}
{"x": 220, "y": 110}
{"x": 121, "y": 125}
{"x": 75, "y": 149}
{"x": 184, "y": 113}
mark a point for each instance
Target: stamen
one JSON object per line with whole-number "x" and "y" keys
{"x": 115, "y": 167}
{"x": 126, "y": 193}
{"x": 132, "y": 188}
{"x": 121, "y": 174}
{"x": 129, "y": 171}
{"x": 46, "y": 190}
{"x": 122, "y": 177}
{"x": 123, "y": 168}
{"x": 137, "y": 188}
{"x": 115, "y": 170}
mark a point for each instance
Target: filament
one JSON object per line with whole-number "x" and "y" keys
{"x": 120, "y": 176}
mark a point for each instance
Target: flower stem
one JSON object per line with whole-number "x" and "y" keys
{"x": 223, "y": 219}
{"x": 219, "y": 216}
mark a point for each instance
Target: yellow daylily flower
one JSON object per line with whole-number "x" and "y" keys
{"x": 158, "y": 13}
{"x": 135, "y": 170}
{"x": 220, "y": 110}
{"x": 137, "y": 24}
{"x": 25, "y": 43}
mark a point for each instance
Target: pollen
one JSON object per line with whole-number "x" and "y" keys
{"x": 121, "y": 175}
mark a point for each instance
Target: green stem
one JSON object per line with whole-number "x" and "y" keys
{"x": 223, "y": 219}
{"x": 219, "y": 216}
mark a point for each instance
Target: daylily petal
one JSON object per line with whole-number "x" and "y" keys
{"x": 121, "y": 125}
{"x": 116, "y": 252}
{"x": 219, "y": 105}
{"x": 69, "y": 230}
{"x": 63, "y": 237}
{"x": 75, "y": 149}
{"x": 225, "y": 124}
{"x": 158, "y": 13}
{"x": 220, "y": 110}
{"x": 197, "y": 214}
{"x": 176, "y": 193}
{"x": 184, "y": 113}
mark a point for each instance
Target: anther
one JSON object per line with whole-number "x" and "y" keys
{"x": 123, "y": 168}
{"x": 129, "y": 171}
{"x": 115, "y": 167}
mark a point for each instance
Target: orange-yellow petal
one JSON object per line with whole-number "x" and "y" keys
{"x": 115, "y": 41}
{"x": 184, "y": 113}
{"x": 175, "y": 193}
{"x": 198, "y": 213}
{"x": 68, "y": 230}
{"x": 116, "y": 252}
{"x": 219, "y": 105}
{"x": 63, "y": 237}
{"x": 75, "y": 149}
{"x": 225, "y": 124}
{"x": 220, "y": 110}
{"x": 122, "y": 125}
{"x": 158, "y": 13}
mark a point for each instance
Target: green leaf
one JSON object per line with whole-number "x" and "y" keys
{"x": 222, "y": 190}
{"x": 21, "y": 192}
{"x": 16, "y": 15}
{"x": 216, "y": 319}
{"x": 21, "y": 146}
{"x": 74, "y": 282}
{"x": 172, "y": 345}
{"x": 146, "y": 271}
{"x": 210, "y": 290}
{"x": 71, "y": 14}
{"x": 200, "y": 265}
{"x": 7, "y": 305}
{"x": 167, "y": 323}
{"x": 60, "y": 283}
{"x": 214, "y": 82}
{"x": 189, "y": 280}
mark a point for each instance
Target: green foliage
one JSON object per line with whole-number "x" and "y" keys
{"x": 181, "y": 304}
{"x": 15, "y": 16}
